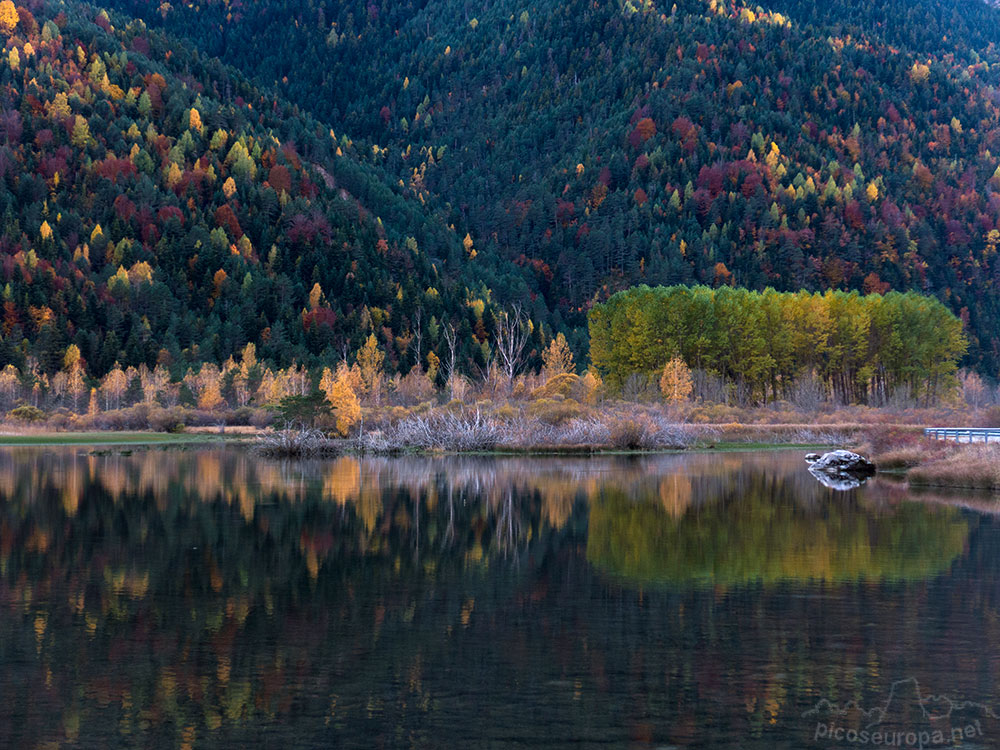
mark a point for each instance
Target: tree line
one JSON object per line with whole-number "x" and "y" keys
{"x": 766, "y": 346}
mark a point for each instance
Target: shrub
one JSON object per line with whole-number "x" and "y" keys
{"x": 472, "y": 431}
{"x": 506, "y": 413}
{"x": 563, "y": 384}
{"x": 632, "y": 433}
{"x": 552, "y": 411}
{"x": 27, "y": 413}
{"x": 304, "y": 443}
{"x": 415, "y": 387}
{"x": 168, "y": 420}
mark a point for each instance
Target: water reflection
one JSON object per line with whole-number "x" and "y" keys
{"x": 206, "y": 599}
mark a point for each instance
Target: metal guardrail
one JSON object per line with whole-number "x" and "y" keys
{"x": 965, "y": 434}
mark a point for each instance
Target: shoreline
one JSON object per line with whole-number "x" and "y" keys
{"x": 936, "y": 466}
{"x": 111, "y": 437}
{"x": 48, "y": 438}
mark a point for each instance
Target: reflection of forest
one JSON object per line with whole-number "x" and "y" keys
{"x": 191, "y": 599}
{"x": 762, "y": 532}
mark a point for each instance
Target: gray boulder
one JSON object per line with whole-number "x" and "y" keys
{"x": 840, "y": 469}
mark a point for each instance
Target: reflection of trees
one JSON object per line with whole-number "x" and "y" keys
{"x": 200, "y": 597}
{"x": 231, "y": 570}
{"x": 762, "y": 533}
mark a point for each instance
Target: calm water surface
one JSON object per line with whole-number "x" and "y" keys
{"x": 209, "y": 599}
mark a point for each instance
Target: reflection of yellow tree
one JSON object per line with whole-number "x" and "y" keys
{"x": 558, "y": 497}
{"x": 342, "y": 480}
{"x": 369, "y": 506}
{"x": 675, "y": 494}
{"x": 72, "y": 488}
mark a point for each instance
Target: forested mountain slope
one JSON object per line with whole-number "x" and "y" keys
{"x": 156, "y": 207}
{"x": 816, "y": 145}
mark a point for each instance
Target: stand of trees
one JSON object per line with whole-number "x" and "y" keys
{"x": 769, "y": 345}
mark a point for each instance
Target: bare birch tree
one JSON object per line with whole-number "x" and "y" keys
{"x": 513, "y": 330}
{"x": 451, "y": 340}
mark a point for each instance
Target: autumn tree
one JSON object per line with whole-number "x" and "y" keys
{"x": 73, "y": 369}
{"x": 675, "y": 381}
{"x": 206, "y": 386}
{"x": 153, "y": 382}
{"x": 370, "y": 359}
{"x": 194, "y": 120}
{"x": 10, "y": 385}
{"x": 241, "y": 380}
{"x": 342, "y": 398}
{"x": 557, "y": 357}
{"x": 113, "y": 386}
{"x": 8, "y": 17}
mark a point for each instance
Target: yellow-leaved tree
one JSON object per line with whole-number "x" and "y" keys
{"x": 81, "y": 133}
{"x": 591, "y": 383}
{"x": 8, "y": 17}
{"x": 73, "y": 367}
{"x": 194, "y": 120}
{"x": 207, "y": 386}
{"x": 343, "y": 399}
{"x": 370, "y": 359}
{"x": 315, "y": 296}
{"x": 557, "y": 357}
{"x": 675, "y": 382}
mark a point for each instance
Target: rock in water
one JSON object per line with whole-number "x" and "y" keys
{"x": 840, "y": 469}
{"x": 841, "y": 461}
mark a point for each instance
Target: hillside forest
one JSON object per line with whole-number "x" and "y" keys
{"x": 840, "y": 145}
{"x": 183, "y": 226}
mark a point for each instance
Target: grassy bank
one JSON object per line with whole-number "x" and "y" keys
{"x": 509, "y": 423}
{"x": 969, "y": 466}
{"x": 934, "y": 463}
{"x": 110, "y": 438}
{"x": 553, "y": 425}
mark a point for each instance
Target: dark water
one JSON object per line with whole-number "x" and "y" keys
{"x": 206, "y": 599}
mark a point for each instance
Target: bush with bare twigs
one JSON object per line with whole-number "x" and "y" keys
{"x": 304, "y": 443}
{"x": 643, "y": 432}
{"x": 444, "y": 430}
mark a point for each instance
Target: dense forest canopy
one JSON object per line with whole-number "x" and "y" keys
{"x": 157, "y": 209}
{"x": 836, "y": 145}
{"x": 861, "y": 349}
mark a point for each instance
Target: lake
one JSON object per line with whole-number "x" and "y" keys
{"x": 207, "y": 598}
